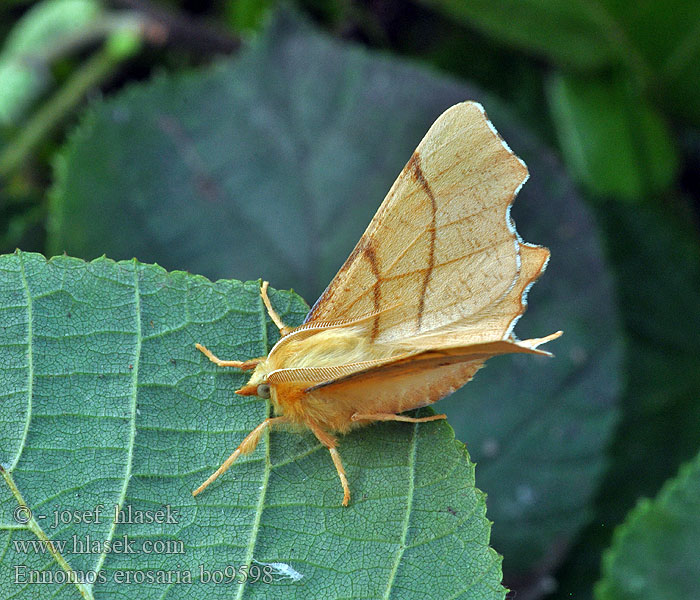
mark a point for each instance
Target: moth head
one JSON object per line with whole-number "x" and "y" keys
{"x": 257, "y": 384}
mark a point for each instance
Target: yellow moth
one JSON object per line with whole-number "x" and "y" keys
{"x": 432, "y": 289}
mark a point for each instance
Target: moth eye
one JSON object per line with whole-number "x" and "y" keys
{"x": 263, "y": 390}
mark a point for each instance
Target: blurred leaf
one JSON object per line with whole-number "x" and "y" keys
{"x": 571, "y": 33}
{"x": 119, "y": 46}
{"x": 656, "y": 43}
{"x": 46, "y": 24}
{"x": 655, "y": 555}
{"x": 613, "y": 140}
{"x": 250, "y": 166}
{"x": 432, "y": 38}
{"x": 273, "y": 164}
{"x": 656, "y": 257}
{"x": 664, "y": 47}
{"x": 18, "y": 87}
{"x": 247, "y": 15}
{"x": 30, "y": 44}
{"x": 106, "y": 401}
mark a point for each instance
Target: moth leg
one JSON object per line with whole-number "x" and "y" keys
{"x": 393, "y": 417}
{"x": 330, "y": 442}
{"x": 284, "y": 330}
{"x": 245, "y": 447}
{"x": 341, "y": 473}
{"x": 245, "y": 365}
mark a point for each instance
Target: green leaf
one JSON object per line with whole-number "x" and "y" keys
{"x": 655, "y": 43}
{"x": 49, "y": 22}
{"x": 653, "y": 251}
{"x": 612, "y": 139}
{"x": 654, "y": 555}
{"x": 571, "y": 33}
{"x": 273, "y": 164}
{"x": 659, "y": 43}
{"x": 246, "y": 15}
{"x": 107, "y": 402}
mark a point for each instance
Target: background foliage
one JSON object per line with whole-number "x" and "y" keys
{"x": 203, "y": 135}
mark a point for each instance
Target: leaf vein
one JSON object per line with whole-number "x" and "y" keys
{"x": 30, "y": 365}
{"x": 266, "y": 474}
{"x": 407, "y": 516}
{"x": 35, "y": 528}
{"x": 132, "y": 425}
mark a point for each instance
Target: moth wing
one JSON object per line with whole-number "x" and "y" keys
{"x": 415, "y": 380}
{"x": 471, "y": 341}
{"x": 495, "y": 321}
{"x": 441, "y": 252}
{"x": 433, "y": 364}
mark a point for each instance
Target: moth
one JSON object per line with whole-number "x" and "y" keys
{"x": 433, "y": 289}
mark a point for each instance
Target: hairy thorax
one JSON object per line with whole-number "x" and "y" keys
{"x": 303, "y": 357}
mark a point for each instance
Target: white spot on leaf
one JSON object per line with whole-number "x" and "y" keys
{"x": 282, "y": 570}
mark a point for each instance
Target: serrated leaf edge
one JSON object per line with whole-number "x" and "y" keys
{"x": 602, "y": 590}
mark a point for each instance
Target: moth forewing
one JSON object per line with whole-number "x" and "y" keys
{"x": 432, "y": 289}
{"x": 441, "y": 247}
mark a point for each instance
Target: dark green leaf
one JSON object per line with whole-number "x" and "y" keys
{"x": 247, "y": 15}
{"x": 659, "y": 42}
{"x": 571, "y": 33}
{"x": 655, "y": 43}
{"x": 105, "y": 401}
{"x": 656, "y": 257}
{"x": 654, "y": 555}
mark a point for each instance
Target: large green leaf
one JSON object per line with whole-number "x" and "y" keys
{"x": 273, "y": 164}
{"x": 655, "y": 555}
{"x": 105, "y": 401}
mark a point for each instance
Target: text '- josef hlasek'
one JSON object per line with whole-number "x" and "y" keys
{"x": 122, "y": 515}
